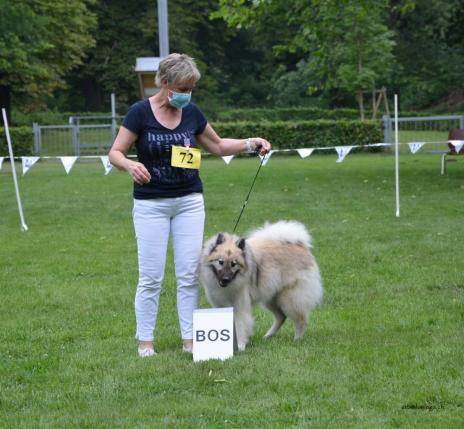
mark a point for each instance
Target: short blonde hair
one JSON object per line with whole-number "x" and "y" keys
{"x": 177, "y": 69}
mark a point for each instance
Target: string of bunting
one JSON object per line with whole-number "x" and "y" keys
{"x": 342, "y": 151}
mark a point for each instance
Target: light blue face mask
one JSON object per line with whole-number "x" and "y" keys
{"x": 179, "y": 99}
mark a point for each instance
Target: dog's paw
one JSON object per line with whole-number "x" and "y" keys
{"x": 241, "y": 347}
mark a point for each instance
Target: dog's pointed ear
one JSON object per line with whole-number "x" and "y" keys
{"x": 241, "y": 244}
{"x": 220, "y": 239}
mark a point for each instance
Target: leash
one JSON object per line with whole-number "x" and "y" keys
{"x": 249, "y": 193}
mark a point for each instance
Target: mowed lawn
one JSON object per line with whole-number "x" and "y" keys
{"x": 385, "y": 350}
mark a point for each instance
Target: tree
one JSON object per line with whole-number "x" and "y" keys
{"x": 39, "y": 43}
{"x": 430, "y": 51}
{"x": 125, "y": 30}
{"x": 228, "y": 59}
{"x": 353, "y": 46}
{"x": 345, "y": 44}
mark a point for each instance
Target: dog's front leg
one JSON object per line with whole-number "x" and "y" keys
{"x": 243, "y": 317}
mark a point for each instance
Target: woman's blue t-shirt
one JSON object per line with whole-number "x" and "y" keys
{"x": 153, "y": 146}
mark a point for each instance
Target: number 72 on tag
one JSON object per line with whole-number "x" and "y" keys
{"x": 185, "y": 157}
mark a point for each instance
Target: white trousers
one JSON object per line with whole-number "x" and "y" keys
{"x": 155, "y": 220}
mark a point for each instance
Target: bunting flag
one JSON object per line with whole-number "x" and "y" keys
{"x": 415, "y": 146}
{"x": 267, "y": 157}
{"x": 304, "y": 153}
{"x": 28, "y": 162}
{"x": 227, "y": 159}
{"x": 107, "y": 164}
{"x": 458, "y": 144}
{"x": 342, "y": 152}
{"x": 68, "y": 162}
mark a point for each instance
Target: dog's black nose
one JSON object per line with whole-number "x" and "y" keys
{"x": 224, "y": 281}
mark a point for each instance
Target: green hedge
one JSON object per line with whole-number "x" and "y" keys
{"x": 233, "y": 115}
{"x": 22, "y": 139}
{"x": 49, "y": 117}
{"x": 292, "y": 135}
{"x": 282, "y": 134}
{"x": 297, "y": 114}
{"x": 285, "y": 114}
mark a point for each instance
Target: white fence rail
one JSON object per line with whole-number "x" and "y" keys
{"x": 75, "y": 139}
{"x": 422, "y": 126}
{"x": 94, "y": 135}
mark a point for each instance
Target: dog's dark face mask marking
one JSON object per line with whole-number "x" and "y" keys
{"x": 227, "y": 259}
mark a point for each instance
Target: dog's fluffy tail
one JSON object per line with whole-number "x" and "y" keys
{"x": 286, "y": 231}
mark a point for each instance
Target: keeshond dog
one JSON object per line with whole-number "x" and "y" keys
{"x": 273, "y": 266}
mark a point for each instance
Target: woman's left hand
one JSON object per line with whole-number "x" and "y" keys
{"x": 261, "y": 146}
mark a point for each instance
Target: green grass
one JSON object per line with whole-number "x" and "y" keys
{"x": 385, "y": 350}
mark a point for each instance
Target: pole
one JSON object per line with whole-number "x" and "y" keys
{"x": 397, "y": 171}
{"x": 113, "y": 117}
{"x": 13, "y": 170}
{"x": 163, "y": 32}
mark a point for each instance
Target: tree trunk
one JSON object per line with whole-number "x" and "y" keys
{"x": 386, "y": 101}
{"x": 360, "y": 95}
{"x": 5, "y": 101}
{"x": 360, "y": 98}
{"x": 376, "y": 105}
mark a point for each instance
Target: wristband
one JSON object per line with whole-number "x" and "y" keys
{"x": 248, "y": 145}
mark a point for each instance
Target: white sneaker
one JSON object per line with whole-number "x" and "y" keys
{"x": 146, "y": 352}
{"x": 187, "y": 349}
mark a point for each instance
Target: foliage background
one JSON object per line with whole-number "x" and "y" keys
{"x": 251, "y": 53}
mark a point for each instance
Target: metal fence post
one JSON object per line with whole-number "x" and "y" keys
{"x": 461, "y": 122}
{"x": 36, "y": 132}
{"x": 113, "y": 118}
{"x": 75, "y": 139}
{"x": 387, "y": 129}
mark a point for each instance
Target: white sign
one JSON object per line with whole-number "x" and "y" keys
{"x": 213, "y": 333}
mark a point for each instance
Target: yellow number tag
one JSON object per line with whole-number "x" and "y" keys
{"x": 185, "y": 157}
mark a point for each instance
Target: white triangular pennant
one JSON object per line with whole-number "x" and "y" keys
{"x": 227, "y": 159}
{"x": 107, "y": 164}
{"x": 304, "y": 153}
{"x": 28, "y": 162}
{"x": 68, "y": 162}
{"x": 415, "y": 146}
{"x": 1, "y": 161}
{"x": 342, "y": 152}
{"x": 458, "y": 144}
{"x": 267, "y": 157}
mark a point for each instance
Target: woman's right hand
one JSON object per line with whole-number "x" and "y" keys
{"x": 138, "y": 172}
{"x": 118, "y": 156}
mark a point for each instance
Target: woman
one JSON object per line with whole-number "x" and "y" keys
{"x": 167, "y": 130}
